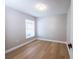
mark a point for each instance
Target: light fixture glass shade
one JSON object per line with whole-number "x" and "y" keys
{"x": 40, "y": 6}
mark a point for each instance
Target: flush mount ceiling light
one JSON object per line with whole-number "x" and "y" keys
{"x": 41, "y": 7}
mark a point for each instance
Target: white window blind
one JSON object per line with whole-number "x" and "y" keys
{"x": 30, "y": 28}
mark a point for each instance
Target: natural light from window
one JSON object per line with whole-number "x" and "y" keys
{"x": 30, "y": 28}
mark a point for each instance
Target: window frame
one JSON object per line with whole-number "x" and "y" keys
{"x": 30, "y": 36}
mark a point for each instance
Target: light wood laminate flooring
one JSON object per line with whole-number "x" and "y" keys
{"x": 40, "y": 50}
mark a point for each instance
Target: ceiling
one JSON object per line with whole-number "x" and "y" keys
{"x": 54, "y": 7}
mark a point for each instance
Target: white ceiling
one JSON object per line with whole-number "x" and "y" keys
{"x": 54, "y": 7}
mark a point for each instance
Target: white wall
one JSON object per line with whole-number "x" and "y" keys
{"x": 15, "y": 27}
{"x": 53, "y": 27}
{"x": 70, "y": 28}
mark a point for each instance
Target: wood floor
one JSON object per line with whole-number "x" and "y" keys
{"x": 40, "y": 50}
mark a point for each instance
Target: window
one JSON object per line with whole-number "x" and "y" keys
{"x": 30, "y": 28}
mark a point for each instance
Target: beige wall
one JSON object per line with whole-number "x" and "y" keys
{"x": 53, "y": 27}
{"x": 15, "y": 27}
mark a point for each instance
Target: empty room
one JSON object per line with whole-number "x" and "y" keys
{"x": 38, "y": 29}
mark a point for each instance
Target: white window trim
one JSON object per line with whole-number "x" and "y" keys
{"x": 26, "y": 31}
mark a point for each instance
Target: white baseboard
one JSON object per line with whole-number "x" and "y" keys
{"x": 68, "y": 48}
{"x": 52, "y": 40}
{"x": 14, "y": 48}
{"x": 69, "y": 51}
{"x": 57, "y": 42}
